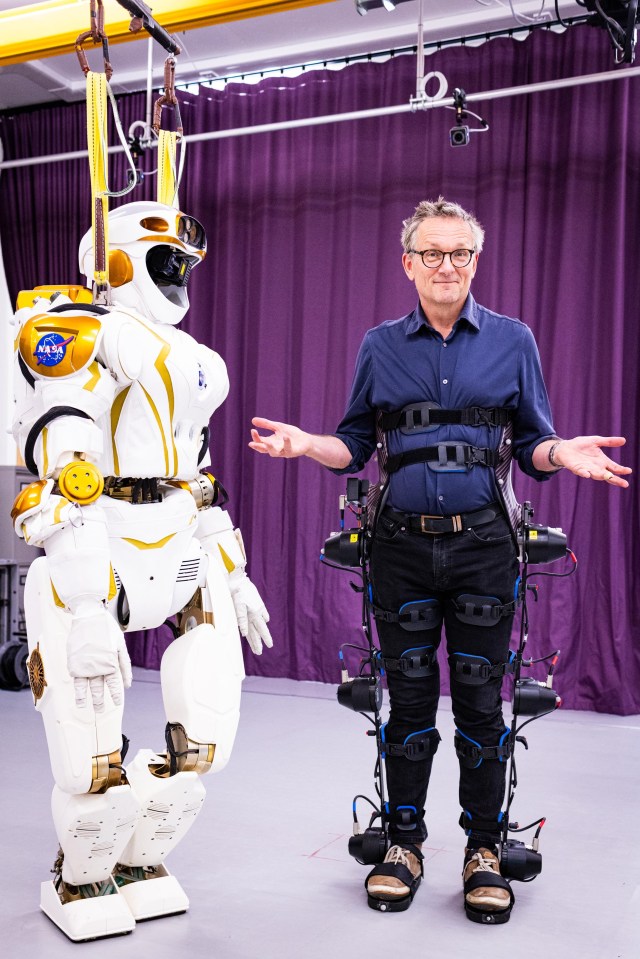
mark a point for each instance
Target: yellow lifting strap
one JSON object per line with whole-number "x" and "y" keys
{"x": 98, "y": 157}
{"x": 168, "y": 173}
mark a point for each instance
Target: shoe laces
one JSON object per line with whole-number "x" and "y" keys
{"x": 484, "y": 863}
{"x": 398, "y": 856}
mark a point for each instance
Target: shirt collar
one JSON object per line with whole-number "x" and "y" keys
{"x": 469, "y": 313}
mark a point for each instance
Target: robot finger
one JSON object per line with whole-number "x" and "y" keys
{"x": 242, "y": 616}
{"x": 96, "y": 687}
{"x": 254, "y": 639}
{"x": 258, "y": 626}
{"x": 81, "y": 688}
{"x": 125, "y": 666}
{"x": 114, "y": 685}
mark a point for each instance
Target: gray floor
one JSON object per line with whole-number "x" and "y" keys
{"x": 266, "y": 865}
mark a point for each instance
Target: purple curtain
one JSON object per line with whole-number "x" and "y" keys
{"x": 304, "y": 256}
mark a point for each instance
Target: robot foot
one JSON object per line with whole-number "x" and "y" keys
{"x": 150, "y": 891}
{"x": 86, "y": 912}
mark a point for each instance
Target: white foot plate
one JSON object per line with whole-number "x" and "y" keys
{"x": 87, "y": 918}
{"x": 151, "y": 898}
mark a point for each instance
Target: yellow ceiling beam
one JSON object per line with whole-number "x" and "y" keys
{"x": 50, "y": 29}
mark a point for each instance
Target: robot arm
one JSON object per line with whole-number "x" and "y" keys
{"x": 61, "y": 390}
{"x": 216, "y": 533}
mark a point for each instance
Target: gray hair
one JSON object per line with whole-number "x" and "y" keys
{"x": 439, "y": 208}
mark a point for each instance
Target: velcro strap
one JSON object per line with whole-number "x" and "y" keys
{"x": 482, "y": 877}
{"x": 397, "y": 871}
{"x": 471, "y": 824}
{"x": 475, "y": 753}
{"x": 406, "y": 664}
{"x": 456, "y": 454}
{"x": 482, "y": 610}
{"x": 422, "y": 415}
{"x": 464, "y": 669}
{"x": 415, "y": 616}
{"x": 416, "y": 750}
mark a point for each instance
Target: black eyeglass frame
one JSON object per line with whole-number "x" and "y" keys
{"x": 442, "y": 253}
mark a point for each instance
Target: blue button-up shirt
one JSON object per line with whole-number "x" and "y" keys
{"x": 487, "y": 360}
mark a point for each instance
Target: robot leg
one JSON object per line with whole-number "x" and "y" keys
{"x": 201, "y": 674}
{"x": 94, "y": 811}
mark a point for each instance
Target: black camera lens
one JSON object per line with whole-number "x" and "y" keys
{"x": 459, "y": 136}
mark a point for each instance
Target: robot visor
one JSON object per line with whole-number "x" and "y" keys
{"x": 170, "y": 267}
{"x": 191, "y": 232}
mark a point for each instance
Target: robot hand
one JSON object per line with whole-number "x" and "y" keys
{"x": 251, "y": 612}
{"x": 97, "y": 654}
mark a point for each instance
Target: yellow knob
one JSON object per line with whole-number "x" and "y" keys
{"x": 81, "y": 482}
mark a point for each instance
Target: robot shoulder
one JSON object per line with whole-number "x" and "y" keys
{"x": 55, "y": 345}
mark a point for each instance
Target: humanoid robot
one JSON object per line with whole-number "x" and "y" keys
{"x": 112, "y": 413}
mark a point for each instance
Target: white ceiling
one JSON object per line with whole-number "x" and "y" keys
{"x": 326, "y": 31}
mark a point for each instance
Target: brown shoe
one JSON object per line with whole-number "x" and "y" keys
{"x": 495, "y": 895}
{"x": 398, "y": 876}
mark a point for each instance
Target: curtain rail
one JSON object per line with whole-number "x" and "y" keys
{"x": 542, "y": 87}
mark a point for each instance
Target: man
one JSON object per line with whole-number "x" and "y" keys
{"x": 448, "y": 393}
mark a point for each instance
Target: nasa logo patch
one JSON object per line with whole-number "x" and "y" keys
{"x": 51, "y": 349}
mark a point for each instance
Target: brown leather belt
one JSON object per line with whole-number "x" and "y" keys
{"x": 436, "y": 525}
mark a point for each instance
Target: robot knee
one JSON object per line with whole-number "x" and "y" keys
{"x": 472, "y": 754}
{"x": 184, "y": 754}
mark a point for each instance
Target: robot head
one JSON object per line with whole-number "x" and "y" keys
{"x": 152, "y": 250}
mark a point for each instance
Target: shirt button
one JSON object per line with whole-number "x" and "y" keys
{"x": 441, "y": 498}
{"x": 445, "y": 382}
{"x": 444, "y": 344}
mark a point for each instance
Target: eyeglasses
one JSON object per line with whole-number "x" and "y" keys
{"x": 434, "y": 258}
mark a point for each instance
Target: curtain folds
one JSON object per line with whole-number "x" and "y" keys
{"x": 304, "y": 256}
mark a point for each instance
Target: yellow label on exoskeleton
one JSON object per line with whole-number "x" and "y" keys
{"x": 353, "y": 538}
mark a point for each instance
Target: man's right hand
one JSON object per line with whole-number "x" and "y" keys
{"x": 286, "y": 441}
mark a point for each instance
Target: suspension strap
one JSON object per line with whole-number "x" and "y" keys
{"x": 169, "y": 175}
{"x": 97, "y": 143}
{"x": 420, "y": 416}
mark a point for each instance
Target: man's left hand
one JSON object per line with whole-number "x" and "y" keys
{"x": 583, "y": 455}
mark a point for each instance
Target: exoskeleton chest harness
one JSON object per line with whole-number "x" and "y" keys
{"x": 532, "y": 699}
{"x": 422, "y": 418}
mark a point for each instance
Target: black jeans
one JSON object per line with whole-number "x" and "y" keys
{"x": 409, "y": 567}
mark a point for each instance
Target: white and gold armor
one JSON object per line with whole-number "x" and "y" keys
{"x": 112, "y": 414}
